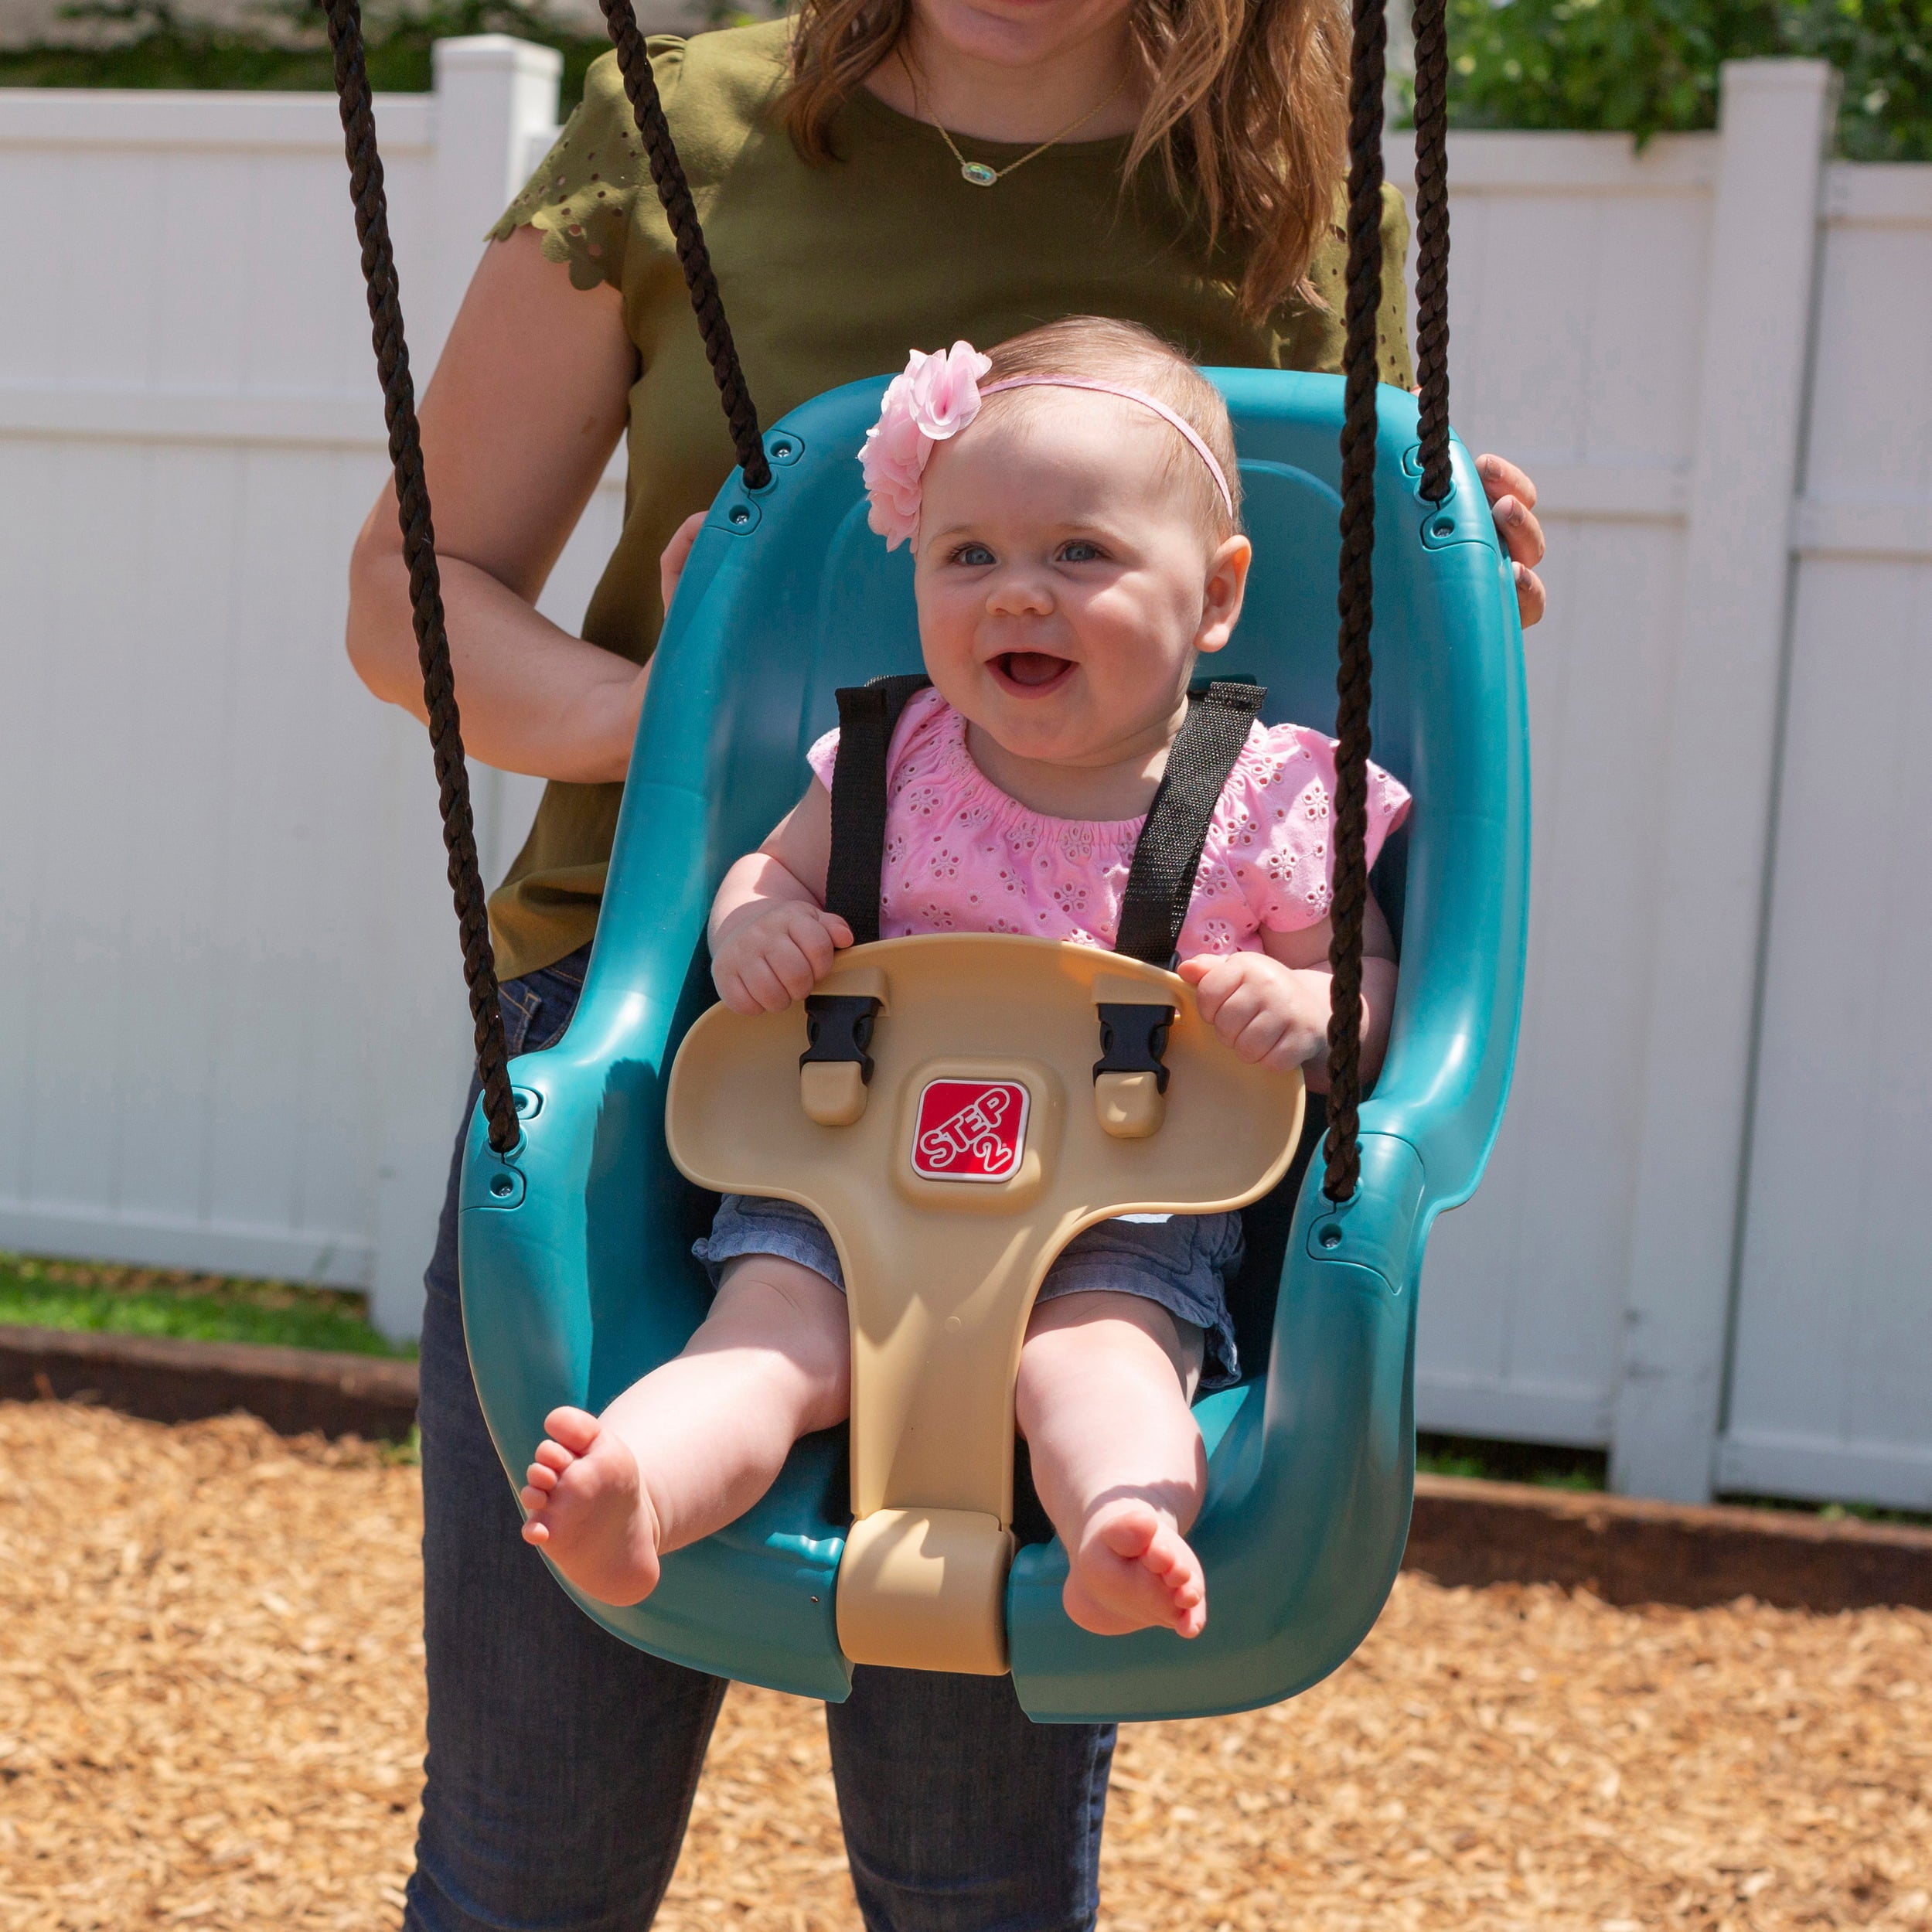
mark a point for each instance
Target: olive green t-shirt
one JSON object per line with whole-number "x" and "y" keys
{"x": 830, "y": 273}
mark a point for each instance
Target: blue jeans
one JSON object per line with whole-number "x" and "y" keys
{"x": 562, "y": 1762}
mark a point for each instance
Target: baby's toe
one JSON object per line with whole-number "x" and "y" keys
{"x": 540, "y": 1477}
{"x": 554, "y": 1456}
{"x": 575, "y": 1430}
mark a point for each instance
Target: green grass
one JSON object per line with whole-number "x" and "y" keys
{"x": 1835, "y": 1512}
{"x": 99, "y": 1297}
{"x": 1546, "y": 1467}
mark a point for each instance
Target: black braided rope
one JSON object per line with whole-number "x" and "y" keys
{"x": 1356, "y": 600}
{"x": 640, "y": 84}
{"x": 1432, "y": 242}
{"x": 419, "y": 553}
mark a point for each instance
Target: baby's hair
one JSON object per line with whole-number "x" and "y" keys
{"x": 1106, "y": 350}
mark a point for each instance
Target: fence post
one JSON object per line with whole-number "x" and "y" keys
{"x": 1776, "y": 120}
{"x": 493, "y": 93}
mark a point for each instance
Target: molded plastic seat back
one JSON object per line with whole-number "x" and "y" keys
{"x": 576, "y": 1275}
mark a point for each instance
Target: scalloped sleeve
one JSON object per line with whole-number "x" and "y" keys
{"x": 582, "y": 198}
{"x": 1279, "y": 809}
{"x": 1313, "y": 337}
{"x": 823, "y": 757}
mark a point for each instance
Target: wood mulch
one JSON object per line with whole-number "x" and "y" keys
{"x": 211, "y": 1712}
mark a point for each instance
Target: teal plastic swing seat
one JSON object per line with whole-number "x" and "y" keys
{"x": 576, "y": 1276}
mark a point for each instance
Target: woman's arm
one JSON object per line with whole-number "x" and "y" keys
{"x": 527, "y": 402}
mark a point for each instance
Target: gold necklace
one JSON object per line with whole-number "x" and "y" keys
{"x": 983, "y": 174}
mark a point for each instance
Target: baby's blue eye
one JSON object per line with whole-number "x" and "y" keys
{"x": 973, "y": 554}
{"x": 1080, "y": 551}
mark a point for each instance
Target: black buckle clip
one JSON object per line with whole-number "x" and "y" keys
{"x": 838, "y": 1026}
{"x": 1132, "y": 1038}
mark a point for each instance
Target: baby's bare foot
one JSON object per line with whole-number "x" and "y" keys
{"x": 1133, "y": 1570}
{"x": 589, "y": 1512}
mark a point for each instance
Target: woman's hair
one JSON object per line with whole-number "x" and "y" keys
{"x": 1104, "y": 350}
{"x": 1247, "y": 108}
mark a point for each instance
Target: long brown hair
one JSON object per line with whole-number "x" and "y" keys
{"x": 1247, "y": 105}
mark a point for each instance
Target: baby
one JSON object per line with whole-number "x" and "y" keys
{"x": 1077, "y": 548}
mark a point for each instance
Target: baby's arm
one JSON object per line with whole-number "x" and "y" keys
{"x": 772, "y": 938}
{"x": 1271, "y": 1007}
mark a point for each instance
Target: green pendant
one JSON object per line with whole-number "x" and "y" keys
{"x": 979, "y": 173}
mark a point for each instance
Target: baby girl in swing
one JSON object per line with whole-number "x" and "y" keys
{"x": 1072, "y": 501}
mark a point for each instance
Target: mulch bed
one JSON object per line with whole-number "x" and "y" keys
{"x": 210, "y": 1716}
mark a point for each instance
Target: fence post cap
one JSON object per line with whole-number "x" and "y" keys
{"x": 1767, "y": 73}
{"x": 500, "y": 52}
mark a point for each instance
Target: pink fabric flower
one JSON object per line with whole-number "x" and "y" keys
{"x": 936, "y": 396}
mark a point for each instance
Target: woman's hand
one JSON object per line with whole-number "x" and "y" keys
{"x": 767, "y": 954}
{"x": 677, "y": 554}
{"x": 1271, "y": 1014}
{"x": 1512, "y": 501}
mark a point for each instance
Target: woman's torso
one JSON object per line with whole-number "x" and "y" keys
{"x": 830, "y": 274}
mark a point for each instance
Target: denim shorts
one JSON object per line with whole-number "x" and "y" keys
{"x": 1182, "y": 1263}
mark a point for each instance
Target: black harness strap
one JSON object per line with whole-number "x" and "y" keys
{"x": 868, "y": 713}
{"x": 1160, "y": 881}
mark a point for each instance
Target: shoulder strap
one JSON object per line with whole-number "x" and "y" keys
{"x": 868, "y": 714}
{"x": 1160, "y": 881}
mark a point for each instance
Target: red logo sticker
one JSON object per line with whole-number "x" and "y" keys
{"x": 970, "y": 1130}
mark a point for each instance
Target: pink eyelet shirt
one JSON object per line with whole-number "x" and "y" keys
{"x": 963, "y": 856}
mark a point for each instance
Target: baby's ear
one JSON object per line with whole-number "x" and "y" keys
{"x": 1222, "y": 595}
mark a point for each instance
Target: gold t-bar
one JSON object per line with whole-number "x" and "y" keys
{"x": 950, "y": 1176}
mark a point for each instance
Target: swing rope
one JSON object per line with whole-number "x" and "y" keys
{"x": 1432, "y": 242}
{"x": 1355, "y": 599}
{"x": 419, "y": 553}
{"x": 674, "y": 191}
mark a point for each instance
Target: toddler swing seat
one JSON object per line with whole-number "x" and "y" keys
{"x": 576, "y": 1224}
{"x": 577, "y": 1274}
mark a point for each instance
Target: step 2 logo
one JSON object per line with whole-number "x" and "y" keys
{"x": 970, "y": 1130}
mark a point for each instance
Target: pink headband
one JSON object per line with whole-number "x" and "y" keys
{"x": 938, "y": 396}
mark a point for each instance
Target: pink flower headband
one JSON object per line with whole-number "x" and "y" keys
{"x": 937, "y": 396}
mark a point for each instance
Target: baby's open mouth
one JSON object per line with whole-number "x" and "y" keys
{"x": 1030, "y": 671}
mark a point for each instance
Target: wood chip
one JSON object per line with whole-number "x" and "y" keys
{"x": 211, "y": 1718}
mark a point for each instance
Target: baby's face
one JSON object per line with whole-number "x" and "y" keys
{"x": 1065, "y": 583}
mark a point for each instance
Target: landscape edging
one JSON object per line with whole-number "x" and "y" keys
{"x": 1625, "y": 1550}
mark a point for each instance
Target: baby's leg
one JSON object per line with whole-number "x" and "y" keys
{"x": 696, "y": 1442}
{"x": 1117, "y": 1458}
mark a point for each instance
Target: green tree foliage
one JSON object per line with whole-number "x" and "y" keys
{"x": 1647, "y": 67}
{"x": 148, "y": 44}
{"x": 1642, "y": 67}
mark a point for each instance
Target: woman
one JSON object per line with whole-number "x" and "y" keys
{"x": 882, "y": 175}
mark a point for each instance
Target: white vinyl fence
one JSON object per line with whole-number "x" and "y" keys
{"x": 237, "y": 1029}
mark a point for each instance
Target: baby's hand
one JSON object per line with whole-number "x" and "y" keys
{"x": 769, "y": 954}
{"x": 1272, "y": 1015}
